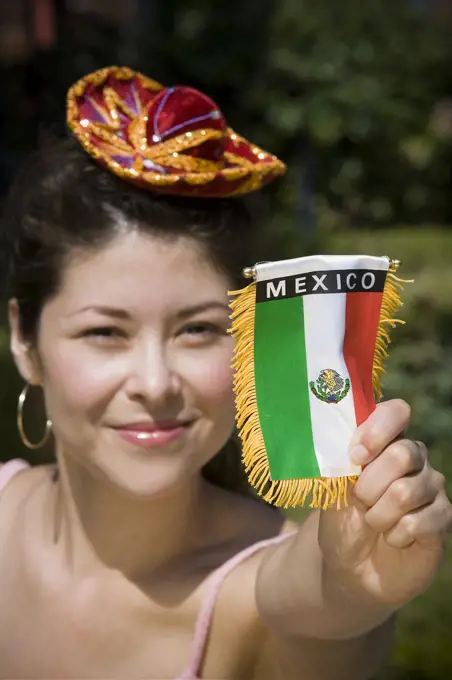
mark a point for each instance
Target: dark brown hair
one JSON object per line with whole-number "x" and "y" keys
{"x": 62, "y": 201}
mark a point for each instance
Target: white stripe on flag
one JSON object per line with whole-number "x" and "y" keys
{"x": 313, "y": 263}
{"x": 332, "y": 424}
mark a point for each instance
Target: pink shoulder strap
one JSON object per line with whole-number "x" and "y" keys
{"x": 206, "y": 611}
{"x": 9, "y": 469}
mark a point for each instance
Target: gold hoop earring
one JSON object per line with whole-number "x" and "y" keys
{"x": 20, "y": 423}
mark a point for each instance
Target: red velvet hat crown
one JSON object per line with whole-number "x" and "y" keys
{"x": 172, "y": 140}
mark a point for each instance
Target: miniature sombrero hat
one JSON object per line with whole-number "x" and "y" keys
{"x": 171, "y": 140}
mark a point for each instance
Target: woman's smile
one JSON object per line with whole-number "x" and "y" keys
{"x": 152, "y": 434}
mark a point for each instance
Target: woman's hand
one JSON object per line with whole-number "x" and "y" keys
{"x": 390, "y": 540}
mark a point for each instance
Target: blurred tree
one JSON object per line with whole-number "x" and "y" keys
{"x": 220, "y": 48}
{"x": 356, "y": 98}
{"x": 360, "y": 83}
{"x": 353, "y": 97}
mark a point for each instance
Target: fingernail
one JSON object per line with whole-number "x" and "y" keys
{"x": 359, "y": 454}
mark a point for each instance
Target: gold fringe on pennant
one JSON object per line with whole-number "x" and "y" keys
{"x": 324, "y": 492}
{"x": 390, "y": 305}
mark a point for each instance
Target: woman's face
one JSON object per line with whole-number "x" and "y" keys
{"x": 135, "y": 358}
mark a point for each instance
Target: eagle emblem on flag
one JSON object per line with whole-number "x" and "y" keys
{"x": 330, "y": 386}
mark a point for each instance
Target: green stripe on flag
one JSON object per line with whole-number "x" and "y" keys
{"x": 282, "y": 389}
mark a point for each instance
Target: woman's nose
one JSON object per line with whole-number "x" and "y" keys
{"x": 152, "y": 376}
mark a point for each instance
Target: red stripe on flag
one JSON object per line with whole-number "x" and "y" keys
{"x": 362, "y": 314}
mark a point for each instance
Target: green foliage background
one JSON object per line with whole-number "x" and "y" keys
{"x": 356, "y": 98}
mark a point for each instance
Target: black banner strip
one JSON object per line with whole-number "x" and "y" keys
{"x": 321, "y": 283}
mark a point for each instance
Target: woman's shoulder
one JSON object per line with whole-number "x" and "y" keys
{"x": 249, "y": 528}
{"x": 20, "y": 486}
{"x": 10, "y": 469}
{"x": 17, "y": 476}
{"x": 253, "y": 519}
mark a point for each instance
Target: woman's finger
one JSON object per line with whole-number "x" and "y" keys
{"x": 404, "y": 496}
{"x": 389, "y": 420}
{"x": 401, "y": 458}
{"x": 428, "y": 525}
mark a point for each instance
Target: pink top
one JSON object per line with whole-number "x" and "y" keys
{"x": 212, "y": 588}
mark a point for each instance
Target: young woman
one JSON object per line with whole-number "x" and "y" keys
{"x": 132, "y": 557}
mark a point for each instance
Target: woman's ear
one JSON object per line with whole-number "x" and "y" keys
{"x": 25, "y": 356}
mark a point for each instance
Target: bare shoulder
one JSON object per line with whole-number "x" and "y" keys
{"x": 22, "y": 476}
{"x": 248, "y": 523}
{"x": 251, "y": 518}
{"x": 20, "y": 487}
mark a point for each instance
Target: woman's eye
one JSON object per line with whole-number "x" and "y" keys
{"x": 104, "y": 333}
{"x": 199, "y": 332}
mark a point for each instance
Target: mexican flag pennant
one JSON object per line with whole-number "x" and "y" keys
{"x": 311, "y": 339}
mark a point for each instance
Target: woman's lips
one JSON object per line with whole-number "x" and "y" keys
{"x": 152, "y": 436}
